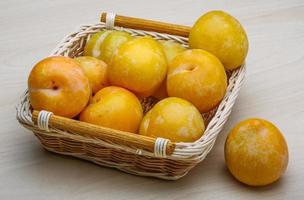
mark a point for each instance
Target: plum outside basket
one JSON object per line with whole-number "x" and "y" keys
{"x": 128, "y": 152}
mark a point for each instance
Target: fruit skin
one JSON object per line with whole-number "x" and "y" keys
{"x": 256, "y": 152}
{"x": 171, "y": 49}
{"x": 111, "y": 43}
{"x": 93, "y": 45}
{"x": 199, "y": 77}
{"x": 161, "y": 92}
{"x": 95, "y": 70}
{"x": 58, "y": 84}
{"x": 175, "y": 119}
{"x": 139, "y": 65}
{"x": 222, "y": 35}
{"x": 114, "y": 107}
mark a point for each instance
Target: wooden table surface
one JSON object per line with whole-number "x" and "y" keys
{"x": 274, "y": 90}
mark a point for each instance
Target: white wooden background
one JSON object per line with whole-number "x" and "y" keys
{"x": 274, "y": 89}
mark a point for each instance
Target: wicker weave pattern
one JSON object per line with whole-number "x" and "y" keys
{"x": 123, "y": 157}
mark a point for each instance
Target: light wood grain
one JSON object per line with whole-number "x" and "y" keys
{"x": 274, "y": 89}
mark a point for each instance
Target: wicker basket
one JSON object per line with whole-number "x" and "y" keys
{"x": 128, "y": 152}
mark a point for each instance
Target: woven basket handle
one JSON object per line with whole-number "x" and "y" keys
{"x": 144, "y": 24}
{"x": 159, "y": 146}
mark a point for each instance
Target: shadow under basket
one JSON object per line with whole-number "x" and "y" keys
{"x": 128, "y": 152}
